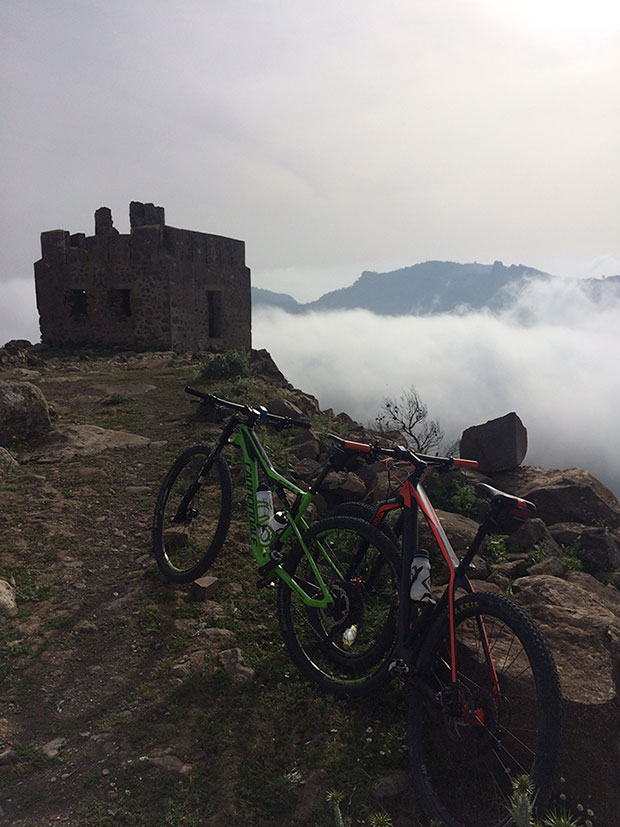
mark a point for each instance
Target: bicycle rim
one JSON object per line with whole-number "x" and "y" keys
{"x": 345, "y": 646}
{"x": 465, "y": 756}
{"x": 192, "y": 515}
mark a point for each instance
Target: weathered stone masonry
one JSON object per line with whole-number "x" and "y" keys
{"x": 158, "y": 287}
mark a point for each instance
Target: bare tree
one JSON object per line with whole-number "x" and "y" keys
{"x": 409, "y": 415}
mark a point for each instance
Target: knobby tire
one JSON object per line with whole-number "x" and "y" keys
{"x": 191, "y": 518}
{"x": 364, "y": 588}
{"x": 463, "y": 762}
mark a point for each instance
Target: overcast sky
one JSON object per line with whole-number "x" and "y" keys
{"x": 332, "y": 136}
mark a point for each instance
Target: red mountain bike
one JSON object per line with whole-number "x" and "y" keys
{"x": 485, "y": 702}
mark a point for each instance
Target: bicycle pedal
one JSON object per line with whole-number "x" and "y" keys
{"x": 399, "y": 668}
{"x": 265, "y": 582}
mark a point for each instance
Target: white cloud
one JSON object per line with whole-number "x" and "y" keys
{"x": 18, "y": 318}
{"x": 559, "y": 372}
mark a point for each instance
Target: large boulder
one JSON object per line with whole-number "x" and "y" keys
{"x": 596, "y": 547}
{"x": 498, "y": 445}
{"x": 598, "y": 550}
{"x": 24, "y": 413}
{"x": 341, "y": 487}
{"x": 533, "y": 534}
{"x": 459, "y": 529}
{"x": 569, "y": 496}
{"x": 15, "y": 347}
{"x": 69, "y": 441}
{"x": 580, "y": 619}
{"x": 262, "y": 364}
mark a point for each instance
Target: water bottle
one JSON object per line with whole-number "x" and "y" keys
{"x": 264, "y": 505}
{"x": 421, "y": 577}
{"x": 348, "y": 636}
{"x": 270, "y": 524}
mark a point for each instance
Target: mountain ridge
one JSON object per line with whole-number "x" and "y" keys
{"x": 430, "y": 287}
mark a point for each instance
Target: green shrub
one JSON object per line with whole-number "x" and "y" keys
{"x": 450, "y": 495}
{"x": 571, "y": 558}
{"x": 538, "y": 553}
{"x": 115, "y": 399}
{"x": 521, "y": 809}
{"x": 228, "y": 364}
{"x": 494, "y": 549}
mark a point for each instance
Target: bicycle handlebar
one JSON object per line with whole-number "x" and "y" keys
{"x": 403, "y": 454}
{"x": 258, "y": 413}
{"x": 425, "y": 461}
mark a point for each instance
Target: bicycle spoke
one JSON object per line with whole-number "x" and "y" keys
{"x": 343, "y": 645}
{"x": 467, "y": 750}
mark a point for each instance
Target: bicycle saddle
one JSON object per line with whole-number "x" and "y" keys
{"x": 508, "y": 504}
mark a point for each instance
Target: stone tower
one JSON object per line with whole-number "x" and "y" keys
{"x": 158, "y": 287}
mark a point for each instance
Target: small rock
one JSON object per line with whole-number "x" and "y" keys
{"x": 222, "y": 638}
{"x": 235, "y": 668}
{"x": 282, "y": 407}
{"x": 8, "y": 601}
{"x": 8, "y": 756}
{"x": 500, "y": 580}
{"x": 392, "y": 785}
{"x": 550, "y": 565}
{"x": 52, "y": 748}
{"x": 512, "y": 568}
{"x": 86, "y": 626}
{"x": 181, "y": 670}
{"x": 24, "y": 413}
{"x": 172, "y": 764}
{"x": 204, "y": 588}
{"x": 8, "y": 462}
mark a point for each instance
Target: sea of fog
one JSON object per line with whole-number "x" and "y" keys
{"x": 553, "y": 358}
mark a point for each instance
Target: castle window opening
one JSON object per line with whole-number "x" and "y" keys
{"x": 214, "y": 304}
{"x": 119, "y": 303}
{"x": 78, "y": 304}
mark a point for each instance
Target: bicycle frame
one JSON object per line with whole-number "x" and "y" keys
{"x": 256, "y": 465}
{"x": 412, "y": 498}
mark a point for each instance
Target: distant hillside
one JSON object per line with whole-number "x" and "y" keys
{"x": 283, "y": 300}
{"x": 431, "y": 287}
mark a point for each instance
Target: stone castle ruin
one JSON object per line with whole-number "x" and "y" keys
{"x": 158, "y": 287}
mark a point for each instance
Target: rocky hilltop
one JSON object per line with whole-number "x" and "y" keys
{"x": 124, "y": 700}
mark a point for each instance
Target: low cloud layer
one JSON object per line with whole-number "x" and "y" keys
{"x": 553, "y": 358}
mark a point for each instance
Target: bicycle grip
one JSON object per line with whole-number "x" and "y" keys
{"x": 466, "y": 463}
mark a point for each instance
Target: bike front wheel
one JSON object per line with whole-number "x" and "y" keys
{"x": 468, "y": 744}
{"x": 192, "y": 515}
{"x": 346, "y": 647}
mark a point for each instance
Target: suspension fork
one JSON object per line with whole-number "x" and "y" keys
{"x": 227, "y": 431}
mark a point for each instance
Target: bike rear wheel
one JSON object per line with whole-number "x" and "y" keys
{"x": 365, "y": 511}
{"x": 467, "y": 749}
{"x": 347, "y": 647}
{"x": 192, "y": 514}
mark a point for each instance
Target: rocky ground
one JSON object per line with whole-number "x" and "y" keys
{"x": 124, "y": 700}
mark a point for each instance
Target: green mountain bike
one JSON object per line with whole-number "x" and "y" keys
{"x": 337, "y": 579}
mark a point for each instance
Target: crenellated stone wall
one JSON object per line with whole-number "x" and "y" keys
{"x": 158, "y": 287}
